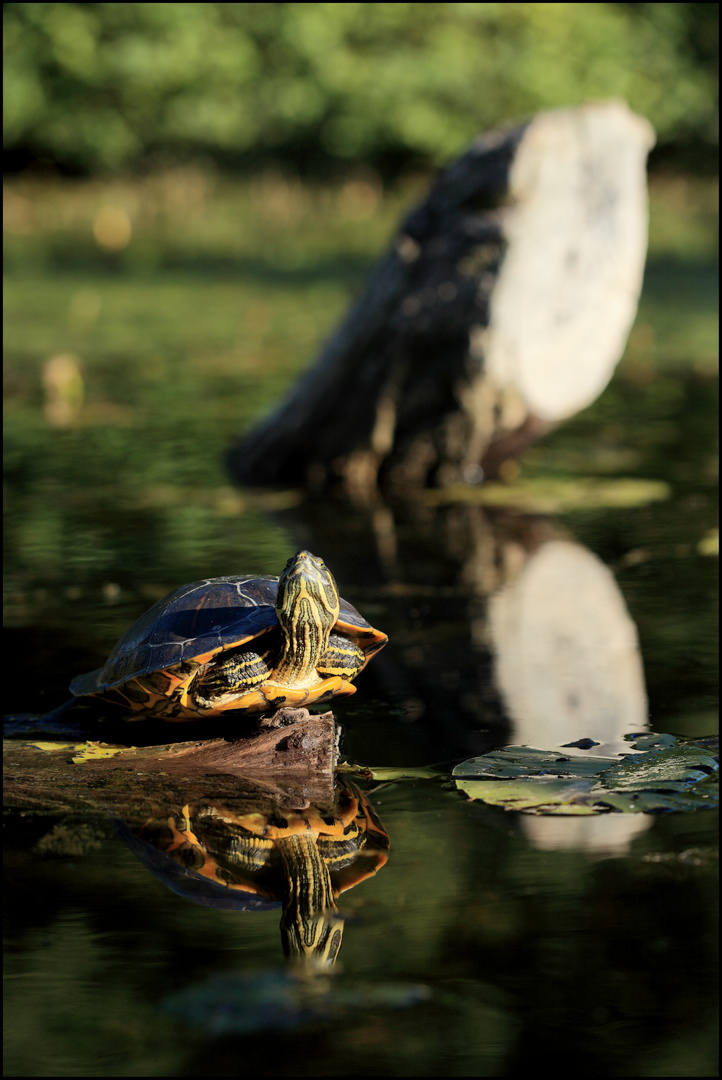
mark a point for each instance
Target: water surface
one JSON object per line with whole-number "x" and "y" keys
{"x": 584, "y": 608}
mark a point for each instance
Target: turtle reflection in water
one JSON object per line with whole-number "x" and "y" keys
{"x": 230, "y": 643}
{"x": 254, "y": 855}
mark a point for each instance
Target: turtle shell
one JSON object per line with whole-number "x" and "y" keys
{"x": 151, "y": 667}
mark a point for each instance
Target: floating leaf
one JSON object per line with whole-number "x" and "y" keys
{"x": 683, "y": 764}
{"x": 527, "y": 761}
{"x": 392, "y": 772}
{"x": 539, "y": 796}
{"x": 665, "y": 774}
{"x": 650, "y": 740}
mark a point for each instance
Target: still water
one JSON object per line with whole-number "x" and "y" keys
{"x": 487, "y": 937}
{"x": 580, "y": 605}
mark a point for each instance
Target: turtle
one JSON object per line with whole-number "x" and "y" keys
{"x": 255, "y": 643}
{"x": 250, "y": 854}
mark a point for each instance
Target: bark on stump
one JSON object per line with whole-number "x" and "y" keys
{"x": 501, "y": 309}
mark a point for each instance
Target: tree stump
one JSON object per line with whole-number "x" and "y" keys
{"x": 501, "y": 309}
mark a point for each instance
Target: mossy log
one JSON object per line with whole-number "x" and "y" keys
{"x": 501, "y": 308}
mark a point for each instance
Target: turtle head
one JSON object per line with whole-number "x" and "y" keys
{"x": 307, "y": 604}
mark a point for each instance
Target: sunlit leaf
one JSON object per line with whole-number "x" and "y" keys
{"x": 395, "y": 772}
{"x": 515, "y": 761}
{"x": 545, "y": 795}
{"x": 49, "y": 747}
{"x": 93, "y": 751}
{"x": 682, "y": 765}
{"x": 82, "y": 751}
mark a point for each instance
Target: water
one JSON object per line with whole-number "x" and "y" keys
{"x": 489, "y": 940}
{"x": 499, "y": 942}
{"x": 488, "y": 937}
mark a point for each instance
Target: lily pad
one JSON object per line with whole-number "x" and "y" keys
{"x": 665, "y": 774}
{"x": 516, "y": 761}
{"x": 683, "y": 764}
{"x": 542, "y": 795}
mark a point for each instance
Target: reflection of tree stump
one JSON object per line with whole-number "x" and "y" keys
{"x": 502, "y": 628}
{"x": 567, "y": 660}
{"x": 502, "y": 308}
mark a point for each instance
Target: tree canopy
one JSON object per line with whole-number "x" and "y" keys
{"x": 98, "y": 87}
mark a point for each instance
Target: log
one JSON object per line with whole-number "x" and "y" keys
{"x": 293, "y": 765}
{"x": 501, "y": 309}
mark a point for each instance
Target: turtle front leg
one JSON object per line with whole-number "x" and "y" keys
{"x": 342, "y": 657}
{"x": 232, "y": 675}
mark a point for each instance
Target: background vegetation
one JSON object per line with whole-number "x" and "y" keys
{"x": 98, "y": 87}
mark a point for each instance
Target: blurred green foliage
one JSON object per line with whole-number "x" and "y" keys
{"x": 99, "y": 87}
